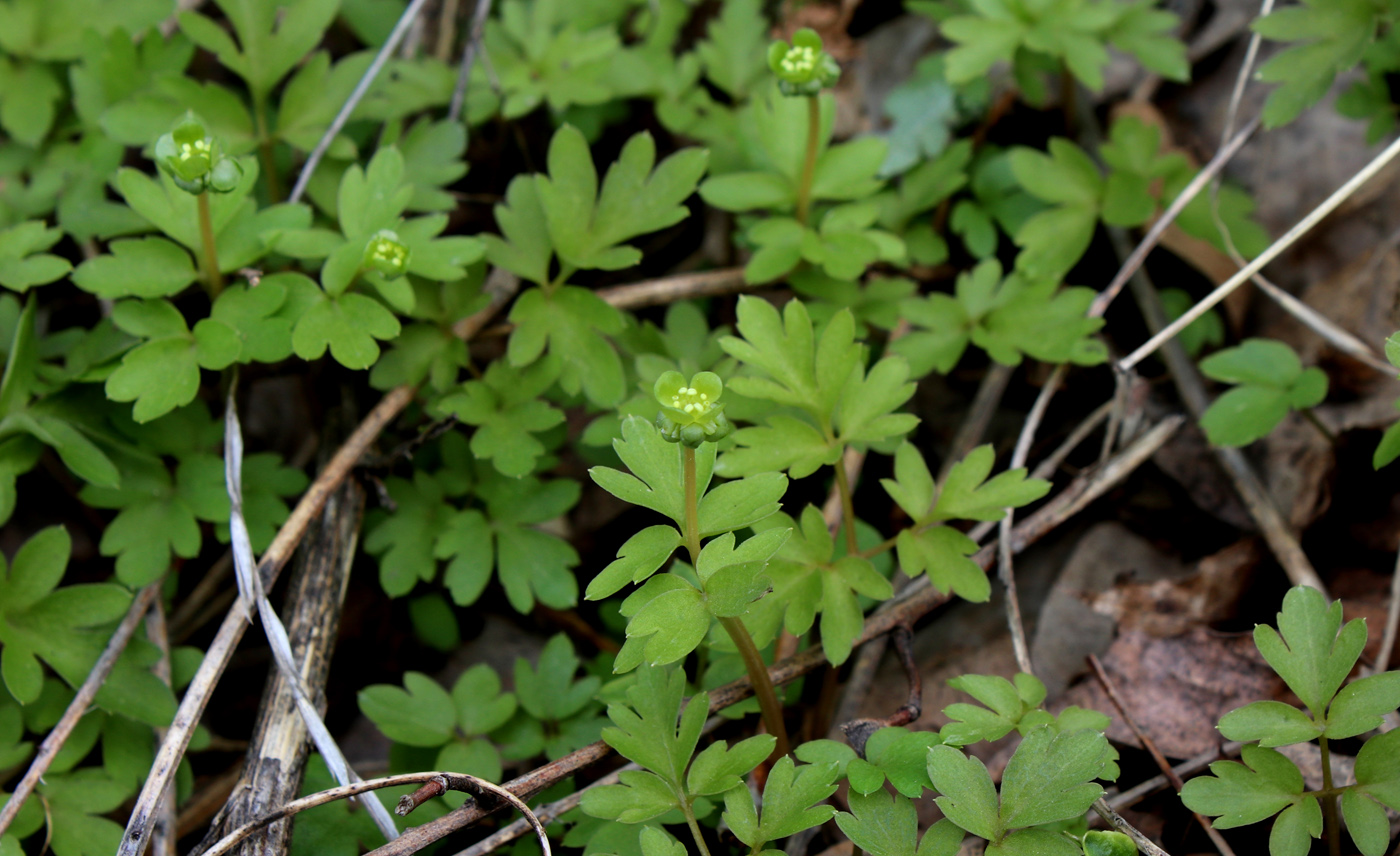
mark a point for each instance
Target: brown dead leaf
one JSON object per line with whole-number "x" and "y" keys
{"x": 1177, "y": 689}
{"x": 1165, "y": 608}
{"x": 828, "y": 19}
{"x": 1068, "y": 629}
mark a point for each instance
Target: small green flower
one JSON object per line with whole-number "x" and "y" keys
{"x": 193, "y": 160}
{"x": 690, "y": 411}
{"x": 1100, "y": 843}
{"x": 803, "y": 68}
{"x": 385, "y": 254}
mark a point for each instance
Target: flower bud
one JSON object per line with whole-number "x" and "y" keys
{"x": 193, "y": 160}
{"x": 803, "y": 68}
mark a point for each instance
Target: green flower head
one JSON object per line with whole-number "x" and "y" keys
{"x": 193, "y": 159}
{"x": 803, "y": 68}
{"x": 385, "y": 254}
{"x": 690, "y": 410}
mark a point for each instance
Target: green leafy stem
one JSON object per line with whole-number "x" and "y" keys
{"x": 763, "y": 688}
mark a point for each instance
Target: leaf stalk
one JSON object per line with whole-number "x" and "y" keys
{"x": 213, "y": 277}
{"x": 753, "y": 661}
{"x": 1329, "y": 802}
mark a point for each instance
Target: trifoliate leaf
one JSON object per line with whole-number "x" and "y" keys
{"x": 1333, "y": 36}
{"x": 969, "y": 495}
{"x": 656, "y": 481}
{"x": 882, "y": 825}
{"x": 1362, "y": 704}
{"x": 271, "y": 40}
{"x": 253, "y": 314}
{"x": 1378, "y": 768}
{"x": 420, "y": 714}
{"x": 507, "y": 410}
{"x": 646, "y": 729}
{"x": 572, "y": 323}
{"x": 1271, "y": 382}
{"x": 549, "y": 690}
{"x": 348, "y": 325}
{"x": 1050, "y": 777}
{"x": 943, "y": 552}
{"x": 721, "y": 767}
{"x": 638, "y": 558}
{"x": 973, "y": 724}
{"x": 967, "y": 796}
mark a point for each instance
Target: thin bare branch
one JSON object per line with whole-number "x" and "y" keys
{"x": 80, "y": 703}
{"x": 669, "y": 289}
{"x": 1137, "y": 793}
{"x": 1115, "y": 820}
{"x": 464, "y": 71}
{"x": 1277, "y": 248}
{"x": 1139, "y": 254}
{"x": 1108, "y": 687}
{"x": 979, "y": 416}
{"x": 251, "y": 590}
{"x": 447, "y": 781}
{"x": 1323, "y": 326}
{"x": 386, "y": 51}
{"x": 1005, "y": 569}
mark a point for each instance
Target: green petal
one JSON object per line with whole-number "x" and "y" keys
{"x": 708, "y": 384}
{"x": 807, "y": 38}
{"x": 776, "y": 52}
{"x": 668, "y": 386}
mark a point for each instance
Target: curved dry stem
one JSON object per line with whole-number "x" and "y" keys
{"x": 444, "y": 781}
{"x": 1275, "y": 249}
{"x": 464, "y": 71}
{"x": 1115, "y": 820}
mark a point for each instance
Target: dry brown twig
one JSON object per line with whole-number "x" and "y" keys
{"x": 80, "y": 703}
{"x": 163, "y": 838}
{"x": 435, "y": 784}
{"x": 1112, "y": 691}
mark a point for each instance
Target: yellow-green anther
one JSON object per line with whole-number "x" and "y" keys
{"x": 691, "y": 412}
{"x": 384, "y": 254}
